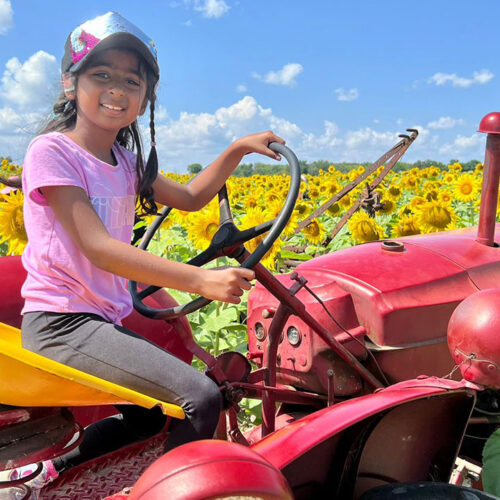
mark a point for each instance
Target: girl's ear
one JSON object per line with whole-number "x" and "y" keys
{"x": 68, "y": 83}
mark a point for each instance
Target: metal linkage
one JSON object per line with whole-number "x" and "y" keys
{"x": 367, "y": 198}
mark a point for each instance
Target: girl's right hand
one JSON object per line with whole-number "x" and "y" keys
{"x": 226, "y": 283}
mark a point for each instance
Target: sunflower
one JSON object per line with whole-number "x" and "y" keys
{"x": 445, "y": 195}
{"x": 431, "y": 195}
{"x": 332, "y": 187}
{"x": 181, "y": 217}
{"x": 449, "y": 178}
{"x": 479, "y": 168}
{"x": 389, "y": 206}
{"x": 302, "y": 209}
{"x": 331, "y": 169}
{"x": 274, "y": 209}
{"x": 254, "y": 217}
{"x": 272, "y": 195}
{"x": 466, "y": 188}
{"x": 434, "y": 216}
{"x": 12, "y": 228}
{"x": 405, "y": 210}
{"x": 345, "y": 202}
{"x": 353, "y": 174}
{"x": 434, "y": 171}
{"x": 251, "y": 201}
{"x": 416, "y": 201}
{"x": 406, "y": 226}
{"x": 334, "y": 209}
{"x": 394, "y": 192}
{"x": 363, "y": 228}
{"x": 204, "y": 225}
{"x": 314, "y": 192}
{"x": 314, "y": 232}
{"x": 411, "y": 181}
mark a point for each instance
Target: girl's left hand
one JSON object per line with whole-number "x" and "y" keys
{"x": 258, "y": 143}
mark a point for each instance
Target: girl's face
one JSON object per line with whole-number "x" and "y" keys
{"x": 111, "y": 92}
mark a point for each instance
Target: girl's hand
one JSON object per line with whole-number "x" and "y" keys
{"x": 258, "y": 143}
{"x": 226, "y": 283}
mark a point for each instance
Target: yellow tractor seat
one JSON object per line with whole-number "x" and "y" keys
{"x": 28, "y": 379}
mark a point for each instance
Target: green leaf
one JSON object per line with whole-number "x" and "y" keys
{"x": 287, "y": 254}
{"x": 216, "y": 322}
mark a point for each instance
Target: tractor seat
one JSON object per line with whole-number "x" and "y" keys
{"x": 28, "y": 379}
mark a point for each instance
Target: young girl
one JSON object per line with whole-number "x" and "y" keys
{"x": 81, "y": 180}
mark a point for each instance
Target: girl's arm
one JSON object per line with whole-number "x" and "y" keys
{"x": 74, "y": 211}
{"x": 207, "y": 183}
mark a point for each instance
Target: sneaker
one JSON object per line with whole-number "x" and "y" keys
{"x": 46, "y": 476}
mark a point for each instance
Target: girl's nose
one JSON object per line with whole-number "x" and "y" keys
{"x": 116, "y": 89}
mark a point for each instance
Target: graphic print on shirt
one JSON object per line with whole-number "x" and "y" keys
{"x": 116, "y": 212}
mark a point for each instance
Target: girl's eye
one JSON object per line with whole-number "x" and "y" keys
{"x": 101, "y": 74}
{"x": 135, "y": 83}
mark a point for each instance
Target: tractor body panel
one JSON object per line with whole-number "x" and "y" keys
{"x": 395, "y": 303}
{"x": 408, "y": 432}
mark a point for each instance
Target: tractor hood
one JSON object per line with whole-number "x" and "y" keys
{"x": 404, "y": 292}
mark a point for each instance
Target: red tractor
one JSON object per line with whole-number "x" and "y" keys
{"x": 378, "y": 368}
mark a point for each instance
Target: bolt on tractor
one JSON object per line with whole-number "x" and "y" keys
{"x": 378, "y": 368}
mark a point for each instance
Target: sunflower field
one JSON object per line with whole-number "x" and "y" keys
{"x": 414, "y": 201}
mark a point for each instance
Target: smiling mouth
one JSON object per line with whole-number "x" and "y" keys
{"x": 112, "y": 108}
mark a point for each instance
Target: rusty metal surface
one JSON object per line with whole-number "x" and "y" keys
{"x": 105, "y": 476}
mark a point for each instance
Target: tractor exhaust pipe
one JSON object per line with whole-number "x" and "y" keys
{"x": 490, "y": 125}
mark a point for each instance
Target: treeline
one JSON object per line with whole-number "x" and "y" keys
{"x": 313, "y": 168}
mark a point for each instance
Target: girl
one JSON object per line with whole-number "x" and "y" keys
{"x": 81, "y": 180}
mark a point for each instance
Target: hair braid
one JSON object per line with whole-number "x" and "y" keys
{"x": 150, "y": 172}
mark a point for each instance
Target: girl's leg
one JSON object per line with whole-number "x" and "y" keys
{"x": 91, "y": 344}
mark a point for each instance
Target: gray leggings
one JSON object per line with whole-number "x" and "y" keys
{"x": 93, "y": 345}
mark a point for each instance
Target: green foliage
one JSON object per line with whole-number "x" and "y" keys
{"x": 194, "y": 168}
{"x": 313, "y": 168}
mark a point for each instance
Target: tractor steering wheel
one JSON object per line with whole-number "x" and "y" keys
{"x": 228, "y": 241}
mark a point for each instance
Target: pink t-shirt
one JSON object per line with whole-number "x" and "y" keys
{"x": 60, "y": 278}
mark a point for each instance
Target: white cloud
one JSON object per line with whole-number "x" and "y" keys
{"x": 446, "y": 122}
{"x": 346, "y": 95}
{"x": 478, "y": 78}
{"x": 472, "y": 145}
{"x": 285, "y": 76}
{"x": 369, "y": 137}
{"x": 188, "y": 23}
{"x": 6, "y": 16}
{"x": 202, "y": 137}
{"x": 211, "y": 9}
{"x": 32, "y": 84}
{"x": 27, "y": 93}
{"x": 241, "y": 88}
{"x": 161, "y": 114}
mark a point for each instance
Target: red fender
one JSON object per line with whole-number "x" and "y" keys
{"x": 211, "y": 469}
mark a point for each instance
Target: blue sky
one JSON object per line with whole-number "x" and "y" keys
{"x": 337, "y": 80}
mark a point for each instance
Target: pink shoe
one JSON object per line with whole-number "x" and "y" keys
{"x": 46, "y": 476}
